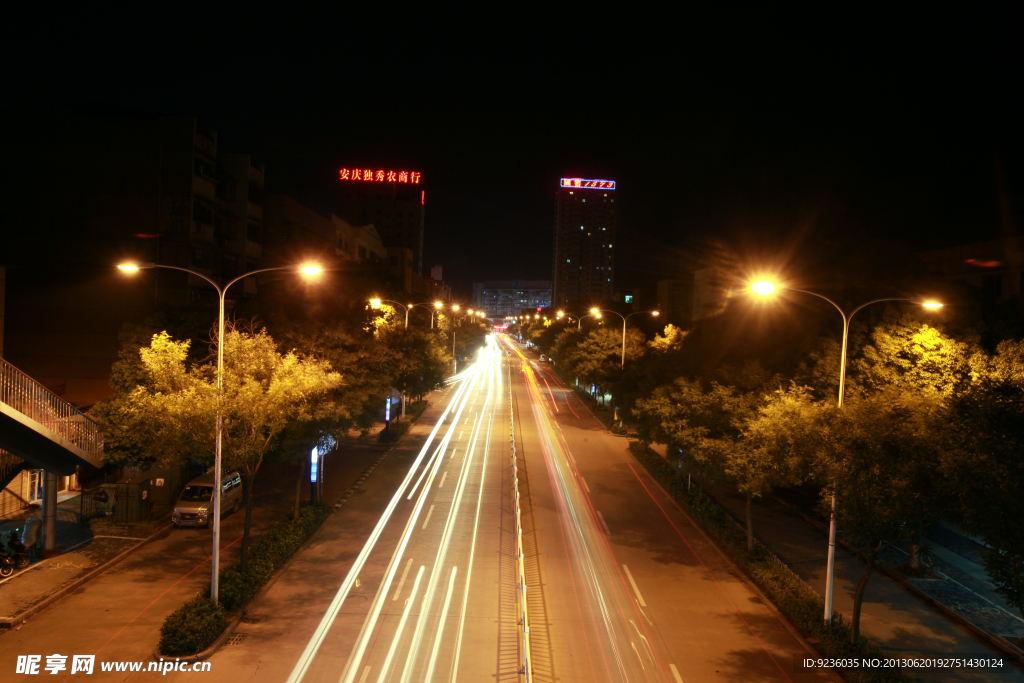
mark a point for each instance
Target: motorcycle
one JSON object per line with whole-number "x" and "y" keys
{"x": 17, "y": 552}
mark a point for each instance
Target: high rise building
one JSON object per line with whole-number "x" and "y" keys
{"x": 391, "y": 200}
{"x": 584, "y": 242}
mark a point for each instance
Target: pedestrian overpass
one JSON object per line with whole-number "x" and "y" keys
{"x": 40, "y": 430}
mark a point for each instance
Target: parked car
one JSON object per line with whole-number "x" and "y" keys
{"x": 195, "y": 504}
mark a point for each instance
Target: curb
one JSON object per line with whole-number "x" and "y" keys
{"x": 995, "y": 641}
{"x": 832, "y": 673}
{"x": 10, "y": 622}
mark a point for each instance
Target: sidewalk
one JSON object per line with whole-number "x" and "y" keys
{"x": 892, "y": 616}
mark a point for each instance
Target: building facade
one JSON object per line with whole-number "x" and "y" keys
{"x": 393, "y": 201}
{"x": 584, "y": 256}
{"x": 510, "y": 297}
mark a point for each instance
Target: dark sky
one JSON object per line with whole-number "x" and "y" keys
{"x": 744, "y": 126}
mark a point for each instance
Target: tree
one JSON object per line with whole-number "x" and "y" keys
{"x": 263, "y": 392}
{"x": 981, "y": 455}
{"x": 879, "y": 450}
{"x": 773, "y": 445}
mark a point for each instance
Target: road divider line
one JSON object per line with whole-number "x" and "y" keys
{"x": 607, "y": 531}
{"x": 632, "y": 583}
{"x": 427, "y": 518}
{"x": 444, "y": 476}
{"x": 675, "y": 673}
{"x": 401, "y": 582}
{"x": 585, "y": 483}
{"x": 366, "y": 673}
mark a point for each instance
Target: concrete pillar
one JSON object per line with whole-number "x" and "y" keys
{"x": 50, "y": 513}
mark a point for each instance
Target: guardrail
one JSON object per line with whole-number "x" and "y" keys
{"x": 523, "y": 620}
{"x": 32, "y": 399}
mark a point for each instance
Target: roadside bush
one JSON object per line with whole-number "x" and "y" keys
{"x": 180, "y": 634}
{"x": 791, "y": 596}
{"x": 192, "y": 627}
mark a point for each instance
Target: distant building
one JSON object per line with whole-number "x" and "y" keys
{"x": 393, "y": 201}
{"x": 994, "y": 268}
{"x": 509, "y": 297}
{"x": 584, "y": 241}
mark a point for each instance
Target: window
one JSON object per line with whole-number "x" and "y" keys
{"x": 253, "y": 233}
{"x": 202, "y": 213}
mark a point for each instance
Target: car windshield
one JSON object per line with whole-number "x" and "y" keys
{"x": 200, "y": 494}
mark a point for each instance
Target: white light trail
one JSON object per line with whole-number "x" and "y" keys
{"x": 401, "y": 625}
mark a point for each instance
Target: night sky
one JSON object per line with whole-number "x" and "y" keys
{"x": 763, "y": 129}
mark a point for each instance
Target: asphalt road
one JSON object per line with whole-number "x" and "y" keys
{"x": 630, "y": 590}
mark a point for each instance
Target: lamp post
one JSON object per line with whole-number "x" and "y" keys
{"x": 579, "y": 321}
{"x": 624, "y": 319}
{"x": 375, "y": 303}
{"x": 766, "y": 288}
{"x": 308, "y": 270}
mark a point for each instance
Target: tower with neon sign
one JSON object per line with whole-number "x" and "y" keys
{"x": 392, "y": 199}
{"x": 584, "y": 242}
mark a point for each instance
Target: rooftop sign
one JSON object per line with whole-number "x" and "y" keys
{"x": 372, "y": 176}
{"x": 587, "y": 183}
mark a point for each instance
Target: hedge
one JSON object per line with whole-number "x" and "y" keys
{"x": 195, "y": 625}
{"x": 398, "y": 429}
{"x": 801, "y": 605}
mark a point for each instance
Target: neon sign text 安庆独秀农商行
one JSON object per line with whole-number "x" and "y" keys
{"x": 588, "y": 183}
{"x": 372, "y": 176}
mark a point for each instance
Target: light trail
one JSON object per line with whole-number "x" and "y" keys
{"x": 401, "y": 626}
{"x": 624, "y": 649}
{"x": 316, "y": 641}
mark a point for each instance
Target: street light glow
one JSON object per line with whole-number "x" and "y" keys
{"x": 655, "y": 312}
{"x": 311, "y": 269}
{"x": 932, "y": 304}
{"x": 375, "y": 303}
{"x": 455, "y": 307}
{"x": 763, "y": 287}
{"x": 593, "y": 310}
{"x": 438, "y": 304}
{"x": 128, "y": 267}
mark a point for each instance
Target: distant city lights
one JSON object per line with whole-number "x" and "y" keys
{"x": 588, "y": 183}
{"x": 370, "y": 175}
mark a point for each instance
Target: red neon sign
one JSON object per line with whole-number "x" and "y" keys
{"x": 380, "y": 176}
{"x": 586, "y": 183}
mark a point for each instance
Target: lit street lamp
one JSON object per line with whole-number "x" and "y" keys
{"x": 307, "y": 270}
{"x": 766, "y": 288}
{"x": 598, "y": 311}
{"x": 375, "y": 303}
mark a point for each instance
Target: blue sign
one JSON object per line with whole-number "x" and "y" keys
{"x": 314, "y": 460}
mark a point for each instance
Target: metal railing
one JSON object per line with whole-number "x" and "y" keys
{"x": 523, "y": 620}
{"x": 32, "y": 399}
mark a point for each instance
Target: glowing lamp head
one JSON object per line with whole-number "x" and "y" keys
{"x": 763, "y": 287}
{"x": 311, "y": 269}
{"x": 375, "y": 303}
{"x": 599, "y": 315}
{"x": 655, "y": 313}
{"x": 128, "y": 267}
{"x": 931, "y": 304}
{"x": 593, "y": 310}
{"x": 561, "y": 313}
{"x": 455, "y": 307}
{"x": 470, "y": 311}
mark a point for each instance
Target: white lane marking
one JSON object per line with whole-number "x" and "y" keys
{"x": 604, "y": 523}
{"x": 317, "y": 639}
{"x": 460, "y": 434}
{"x": 440, "y": 627}
{"x": 585, "y": 483}
{"x": 366, "y": 672}
{"x": 401, "y": 582}
{"x": 443, "y": 477}
{"x": 472, "y": 551}
{"x": 675, "y": 673}
{"x": 401, "y": 625}
{"x": 453, "y": 451}
{"x": 429, "y": 512}
{"x": 467, "y": 420}
{"x": 629, "y": 576}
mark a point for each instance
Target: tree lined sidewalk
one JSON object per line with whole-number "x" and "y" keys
{"x": 892, "y": 617}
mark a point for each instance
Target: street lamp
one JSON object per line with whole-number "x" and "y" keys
{"x": 598, "y": 312}
{"x": 308, "y": 270}
{"x": 767, "y": 288}
{"x": 375, "y": 303}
